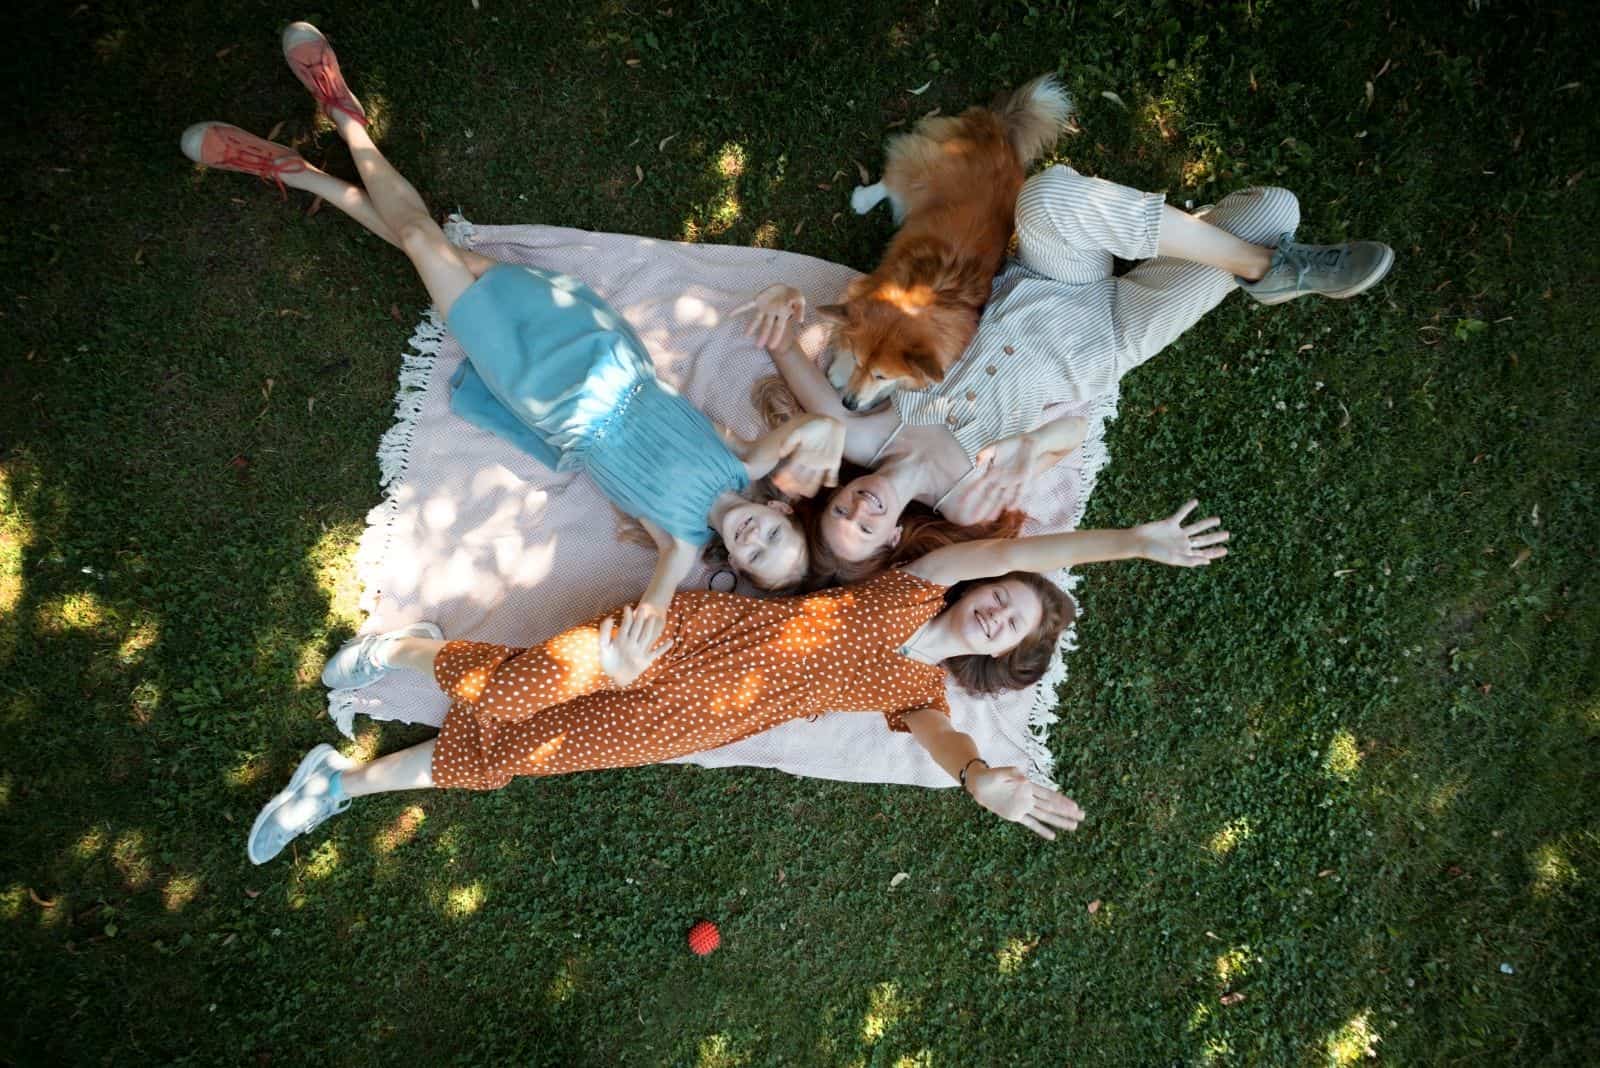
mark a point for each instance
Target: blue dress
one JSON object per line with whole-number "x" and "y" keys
{"x": 555, "y": 371}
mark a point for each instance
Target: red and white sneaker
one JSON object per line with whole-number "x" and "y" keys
{"x": 313, "y": 62}
{"x": 228, "y": 148}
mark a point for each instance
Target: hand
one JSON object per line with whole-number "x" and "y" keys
{"x": 775, "y": 306}
{"x": 625, "y": 650}
{"x": 1168, "y": 541}
{"x": 1007, "y": 467}
{"x": 812, "y": 452}
{"x": 1008, "y": 794}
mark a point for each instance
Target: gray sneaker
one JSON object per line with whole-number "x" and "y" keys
{"x": 302, "y": 805}
{"x": 1336, "y": 271}
{"x": 355, "y": 664}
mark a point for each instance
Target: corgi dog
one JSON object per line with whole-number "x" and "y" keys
{"x": 952, "y": 182}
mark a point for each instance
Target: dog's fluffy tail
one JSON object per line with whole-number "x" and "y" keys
{"x": 1034, "y": 117}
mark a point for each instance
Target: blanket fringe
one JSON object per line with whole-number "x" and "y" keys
{"x": 1042, "y": 716}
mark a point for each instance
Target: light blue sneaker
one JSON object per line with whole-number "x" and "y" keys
{"x": 356, "y": 664}
{"x": 1336, "y": 271}
{"x": 300, "y": 806}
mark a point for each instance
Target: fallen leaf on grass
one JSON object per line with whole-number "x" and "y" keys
{"x": 1094, "y": 906}
{"x": 866, "y": 179}
{"x": 252, "y": 894}
{"x": 1522, "y": 558}
{"x": 1114, "y": 98}
{"x": 224, "y": 51}
{"x": 1232, "y": 999}
{"x": 272, "y": 134}
{"x": 1324, "y": 873}
{"x": 665, "y": 141}
{"x": 632, "y": 62}
{"x": 899, "y": 878}
{"x": 639, "y": 172}
{"x": 316, "y": 206}
{"x": 923, "y": 88}
{"x": 41, "y": 902}
{"x": 394, "y": 313}
{"x": 296, "y": 312}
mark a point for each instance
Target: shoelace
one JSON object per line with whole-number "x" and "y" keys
{"x": 1305, "y": 259}
{"x": 330, "y": 89}
{"x": 253, "y": 159}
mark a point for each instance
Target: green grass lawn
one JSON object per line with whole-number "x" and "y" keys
{"x": 1342, "y": 787}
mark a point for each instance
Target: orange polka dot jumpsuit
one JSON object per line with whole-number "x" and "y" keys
{"x": 737, "y": 666}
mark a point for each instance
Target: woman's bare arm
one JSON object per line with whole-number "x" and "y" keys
{"x": 1165, "y": 541}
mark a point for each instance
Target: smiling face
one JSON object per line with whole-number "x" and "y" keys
{"x": 863, "y": 517}
{"x": 764, "y": 543}
{"x": 994, "y": 617}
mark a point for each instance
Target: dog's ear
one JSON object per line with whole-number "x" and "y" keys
{"x": 834, "y": 313}
{"x": 925, "y": 363}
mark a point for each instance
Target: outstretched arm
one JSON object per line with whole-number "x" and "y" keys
{"x": 1011, "y": 464}
{"x": 1166, "y": 541}
{"x": 776, "y": 308}
{"x": 674, "y": 561}
{"x": 810, "y": 446}
{"x": 1004, "y": 791}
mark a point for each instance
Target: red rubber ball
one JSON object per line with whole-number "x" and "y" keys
{"x": 703, "y": 938}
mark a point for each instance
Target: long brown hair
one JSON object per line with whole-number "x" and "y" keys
{"x": 922, "y": 530}
{"x": 1030, "y": 659}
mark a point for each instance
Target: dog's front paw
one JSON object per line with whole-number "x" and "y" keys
{"x": 840, "y": 368}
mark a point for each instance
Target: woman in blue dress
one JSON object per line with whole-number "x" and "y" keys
{"x": 555, "y": 370}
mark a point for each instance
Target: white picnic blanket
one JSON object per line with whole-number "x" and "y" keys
{"x": 481, "y": 539}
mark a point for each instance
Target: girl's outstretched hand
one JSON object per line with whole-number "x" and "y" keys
{"x": 1169, "y": 541}
{"x": 811, "y": 453}
{"x": 775, "y": 307}
{"x": 625, "y": 649}
{"x": 1009, "y": 794}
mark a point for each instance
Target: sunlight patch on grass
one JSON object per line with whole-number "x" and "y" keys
{"x": 402, "y": 830}
{"x": 731, "y": 160}
{"x": 89, "y": 845}
{"x": 1352, "y": 1043}
{"x": 923, "y": 1058}
{"x": 1227, "y": 839}
{"x": 246, "y": 773}
{"x": 1198, "y": 1017}
{"x": 141, "y": 637}
{"x": 324, "y": 861}
{"x": 78, "y": 611}
{"x": 12, "y": 900}
{"x": 463, "y": 901}
{"x": 1231, "y": 965}
{"x": 365, "y": 746}
{"x": 1445, "y": 795}
{"x": 143, "y": 701}
{"x": 886, "y": 1006}
{"x": 717, "y": 1051}
{"x": 1216, "y": 1051}
{"x": 1014, "y": 954}
{"x": 1553, "y": 870}
{"x": 179, "y": 891}
{"x": 766, "y": 235}
{"x": 5, "y": 789}
{"x": 332, "y": 561}
{"x": 1343, "y": 757}
{"x": 128, "y": 857}
{"x": 690, "y": 231}
{"x": 564, "y": 983}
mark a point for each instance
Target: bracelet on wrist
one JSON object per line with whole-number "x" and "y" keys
{"x": 962, "y": 777}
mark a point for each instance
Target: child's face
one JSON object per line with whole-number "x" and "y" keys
{"x": 764, "y": 543}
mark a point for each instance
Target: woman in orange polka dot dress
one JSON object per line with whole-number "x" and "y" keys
{"x": 601, "y": 696}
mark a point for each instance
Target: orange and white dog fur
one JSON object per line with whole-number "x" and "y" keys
{"x": 952, "y": 183}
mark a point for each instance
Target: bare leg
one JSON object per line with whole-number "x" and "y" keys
{"x": 440, "y": 264}
{"x": 409, "y": 769}
{"x": 1185, "y": 237}
{"x": 354, "y": 202}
